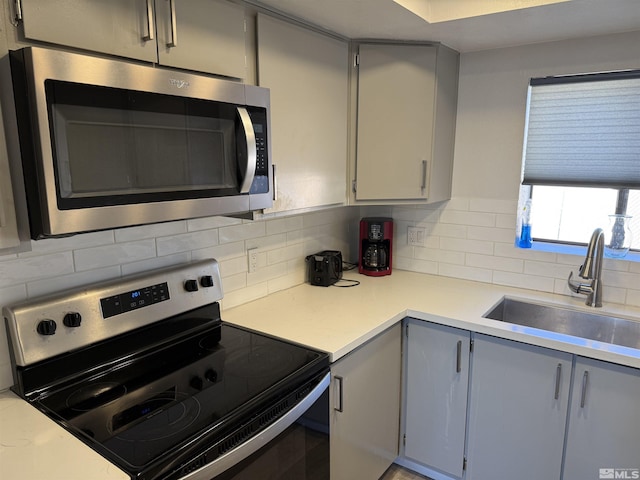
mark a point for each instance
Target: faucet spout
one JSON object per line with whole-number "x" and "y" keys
{"x": 591, "y": 270}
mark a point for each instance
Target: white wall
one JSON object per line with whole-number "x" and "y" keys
{"x": 472, "y": 235}
{"x": 283, "y": 243}
{"x": 492, "y": 100}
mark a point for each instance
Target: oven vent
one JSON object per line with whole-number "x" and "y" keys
{"x": 198, "y": 463}
{"x": 262, "y": 421}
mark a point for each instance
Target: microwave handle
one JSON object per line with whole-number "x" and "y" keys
{"x": 249, "y": 135}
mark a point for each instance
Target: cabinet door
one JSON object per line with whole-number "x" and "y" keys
{"x": 396, "y": 92}
{"x": 437, "y": 382}
{"x": 117, "y": 27}
{"x": 518, "y": 407}
{"x": 202, "y": 35}
{"x": 604, "y": 423}
{"x": 308, "y": 75}
{"x": 365, "y": 410}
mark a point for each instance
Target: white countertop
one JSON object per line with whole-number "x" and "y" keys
{"x": 336, "y": 320}
{"x": 33, "y": 447}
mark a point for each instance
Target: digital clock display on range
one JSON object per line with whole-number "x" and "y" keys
{"x": 134, "y": 299}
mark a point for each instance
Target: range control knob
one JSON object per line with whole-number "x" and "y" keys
{"x": 191, "y": 285}
{"x": 46, "y": 327}
{"x": 206, "y": 281}
{"x": 72, "y": 319}
{"x": 211, "y": 375}
{"x": 197, "y": 383}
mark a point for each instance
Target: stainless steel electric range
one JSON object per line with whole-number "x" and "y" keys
{"x": 144, "y": 371}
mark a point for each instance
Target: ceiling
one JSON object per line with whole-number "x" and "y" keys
{"x": 463, "y": 24}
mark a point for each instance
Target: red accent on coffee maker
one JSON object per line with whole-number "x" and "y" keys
{"x": 376, "y": 239}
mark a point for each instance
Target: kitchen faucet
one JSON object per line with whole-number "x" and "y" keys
{"x": 591, "y": 270}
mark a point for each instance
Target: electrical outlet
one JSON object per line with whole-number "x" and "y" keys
{"x": 252, "y": 255}
{"x": 416, "y": 236}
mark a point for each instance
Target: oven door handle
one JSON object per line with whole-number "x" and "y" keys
{"x": 244, "y": 450}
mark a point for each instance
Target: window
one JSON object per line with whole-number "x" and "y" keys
{"x": 581, "y": 158}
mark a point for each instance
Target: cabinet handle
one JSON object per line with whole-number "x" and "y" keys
{"x": 423, "y": 186}
{"x": 339, "y": 382}
{"x": 149, "y": 35}
{"x": 558, "y": 377}
{"x": 459, "y": 357}
{"x": 585, "y": 382}
{"x": 172, "y": 18}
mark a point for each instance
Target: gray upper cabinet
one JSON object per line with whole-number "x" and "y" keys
{"x": 308, "y": 75}
{"x": 208, "y": 36}
{"x": 201, "y": 35}
{"x": 406, "y": 112}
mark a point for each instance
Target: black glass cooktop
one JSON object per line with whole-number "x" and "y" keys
{"x": 147, "y": 405}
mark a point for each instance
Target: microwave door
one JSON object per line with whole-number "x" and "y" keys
{"x": 247, "y": 156}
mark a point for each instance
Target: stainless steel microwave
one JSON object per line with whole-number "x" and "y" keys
{"x": 108, "y": 143}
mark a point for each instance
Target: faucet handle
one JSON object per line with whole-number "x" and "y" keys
{"x": 578, "y": 287}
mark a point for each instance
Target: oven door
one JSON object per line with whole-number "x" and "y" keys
{"x": 296, "y": 447}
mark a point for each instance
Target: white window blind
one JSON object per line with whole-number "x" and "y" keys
{"x": 583, "y": 131}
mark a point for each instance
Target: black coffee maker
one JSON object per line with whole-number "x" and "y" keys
{"x": 376, "y": 238}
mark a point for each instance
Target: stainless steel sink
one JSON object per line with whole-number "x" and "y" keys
{"x": 603, "y": 328}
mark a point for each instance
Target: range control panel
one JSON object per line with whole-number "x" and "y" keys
{"x": 138, "y": 298}
{"x": 43, "y": 328}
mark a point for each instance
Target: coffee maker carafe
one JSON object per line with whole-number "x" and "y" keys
{"x": 376, "y": 237}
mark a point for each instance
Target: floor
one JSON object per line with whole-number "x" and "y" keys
{"x": 396, "y": 472}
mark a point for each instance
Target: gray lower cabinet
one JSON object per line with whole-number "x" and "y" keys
{"x": 202, "y": 35}
{"x": 518, "y": 409}
{"x": 437, "y": 381}
{"x": 604, "y": 423}
{"x": 365, "y": 408}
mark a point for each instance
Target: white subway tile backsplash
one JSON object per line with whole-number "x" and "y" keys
{"x": 244, "y": 295}
{"x": 495, "y": 263}
{"x": 509, "y": 250}
{"x": 490, "y": 205}
{"x": 531, "y": 282}
{"x": 150, "y": 231}
{"x": 73, "y": 280}
{"x": 64, "y": 244}
{"x": 489, "y": 233}
{"x": 469, "y": 246}
{"x": 284, "y": 225}
{"x": 22, "y": 270}
{"x": 633, "y": 297}
{"x": 473, "y": 238}
{"x": 156, "y": 262}
{"x": 242, "y": 232}
{"x": 209, "y": 223}
{"x": 415, "y": 265}
{"x": 116, "y": 254}
{"x": 468, "y": 218}
{"x": 269, "y": 242}
{"x": 507, "y": 221}
{"x": 546, "y": 269}
{"x": 233, "y": 266}
{"x": 464, "y": 272}
{"x": 186, "y": 242}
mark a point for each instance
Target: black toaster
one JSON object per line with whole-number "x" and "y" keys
{"x": 324, "y": 268}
